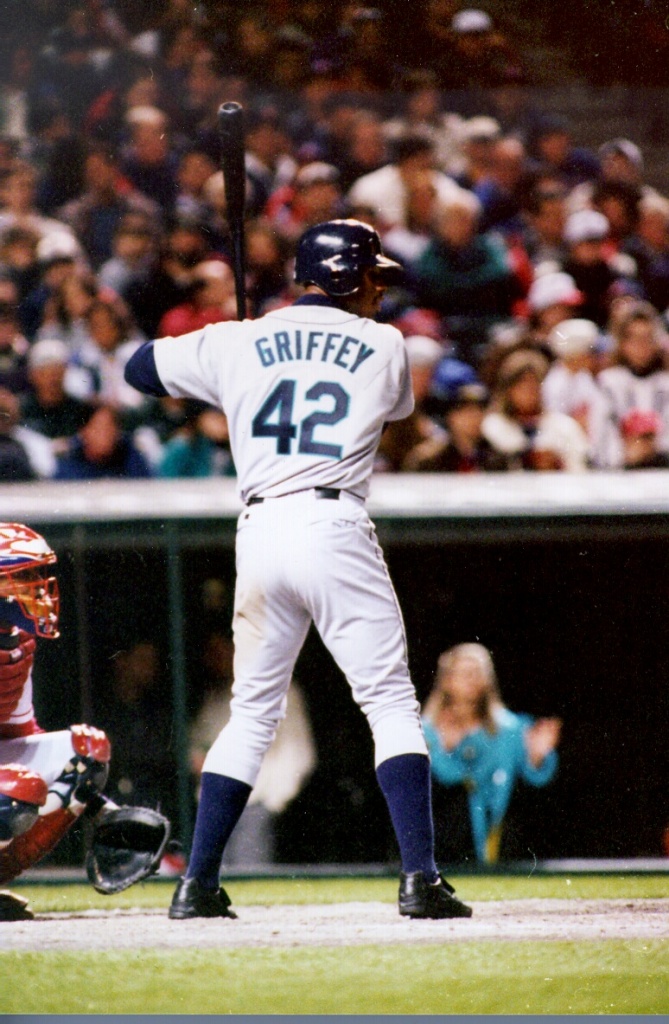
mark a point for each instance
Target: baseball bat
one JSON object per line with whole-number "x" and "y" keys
{"x": 231, "y": 129}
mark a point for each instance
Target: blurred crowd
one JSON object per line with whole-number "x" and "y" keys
{"x": 536, "y": 287}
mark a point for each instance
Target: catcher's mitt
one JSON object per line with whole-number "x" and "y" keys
{"x": 127, "y": 846}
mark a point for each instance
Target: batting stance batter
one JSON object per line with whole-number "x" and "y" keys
{"x": 49, "y": 779}
{"x": 307, "y": 390}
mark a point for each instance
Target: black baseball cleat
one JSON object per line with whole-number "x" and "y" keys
{"x": 191, "y": 900}
{"x": 13, "y": 907}
{"x": 420, "y": 898}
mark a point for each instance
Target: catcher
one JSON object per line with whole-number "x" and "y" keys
{"x": 50, "y": 779}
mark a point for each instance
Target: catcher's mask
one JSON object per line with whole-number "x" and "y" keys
{"x": 336, "y": 254}
{"x": 29, "y": 595}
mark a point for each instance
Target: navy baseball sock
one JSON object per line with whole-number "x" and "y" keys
{"x": 406, "y": 785}
{"x": 222, "y": 801}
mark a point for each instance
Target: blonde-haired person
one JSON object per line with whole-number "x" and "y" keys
{"x": 520, "y": 428}
{"x": 476, "y": 742}
{"x": 638, "y": 379}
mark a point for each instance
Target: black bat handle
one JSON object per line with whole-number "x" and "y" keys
{"x": 231, "y": 129}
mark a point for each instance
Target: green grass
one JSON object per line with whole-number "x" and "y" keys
{"x": 157, "y": 893}
{"x": 473, "y": 978}
{"x": 597, "y": 977}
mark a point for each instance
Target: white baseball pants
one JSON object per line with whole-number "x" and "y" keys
{"x": 300, "y": 558}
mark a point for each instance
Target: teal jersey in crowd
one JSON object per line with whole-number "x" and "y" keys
{"x": 489, "y": 765}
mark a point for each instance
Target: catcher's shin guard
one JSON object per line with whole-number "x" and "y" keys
{"x": 22, "y": 793}
{"x": 29, "y": 848}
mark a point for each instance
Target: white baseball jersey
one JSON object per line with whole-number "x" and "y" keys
{"x": 306, "y": 390}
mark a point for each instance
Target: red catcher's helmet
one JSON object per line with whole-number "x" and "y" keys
{"x": 29, "y": 595}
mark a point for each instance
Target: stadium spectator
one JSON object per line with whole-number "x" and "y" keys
{"x": 107, "y": 199}
{"x": 47, "y": 407}
{"x": 521, "y": 429}
{"x": 65, "y": 297}
{"x": 407, "y": 242}
{"x": 480, "y": 751}
{"x": 101, "y": 450}
{"x": 97, "y": 365}
{"x": 18, "y": 207}
{"x": 649, "y": 248}
{"x": 194, "y": 171}
{"x": 15, "y": 464}
{"x": 149, "y": 160}
{"x": 586, "y": 235}
{"x": 134, "y": 254}
{"x": 211, "y": 299}
{"x": 466, "y": 276}
{"x": 500, "y": 190}
{"x": 313, "y": 197}
{"x": 640, "y": 433}
{"x": 545, "y": 215}
{"x": 638, "y": 380}
{"x": 202, "y": 95}
{"x": 479, "y": 135}
{"x": 368, "y": 63}
{"x": 267, "y": 264}
{"x": 168, "y": 282}
{"x": 401, "y": 437}
{"x": 20, "y": 269}
{"x": 481, "y": 52}
{"x": 570, "y": 386}
{"x": 464, "y": 449}
{"x": 619, "y": 202}
{"x": 384, "y": 190}
{"x": 362, "y": 149}
{"x": 551, "y": 148}
{"x": 13, "y": 351}
{"x": 552, "y": 298}
{"x": 200, "y": 447}
{"x": 36, "y": 447}
{"x": 620, "y": 162}
{"x": 423, "y": 114}
{"x": 268, "y": 157}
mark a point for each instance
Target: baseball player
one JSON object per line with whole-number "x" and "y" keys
{"x": 307, "y": 390}
{"x": 48, "y": 780}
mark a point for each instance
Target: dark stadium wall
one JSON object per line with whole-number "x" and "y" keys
{"x": 576, "y": 628}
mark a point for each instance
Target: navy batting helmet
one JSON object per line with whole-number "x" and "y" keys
{"x": 335, "y": 255}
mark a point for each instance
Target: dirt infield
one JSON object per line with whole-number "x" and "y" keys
{"x": 348, "y": 924}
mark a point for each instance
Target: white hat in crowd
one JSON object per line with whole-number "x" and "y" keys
{"x": 585, "y": 226}
{"x": 573, "y": 337}
{"x": 48, "y": 352}
{"x": 553, "y": 289}
{"x": 57, "y": 245}
{"x": 316, "y": 172}
{"x": 482, "y": 128}
{"x": 471, "y": 20}
{"x": 622, "y": 147}
{"x": 423, "y": 351}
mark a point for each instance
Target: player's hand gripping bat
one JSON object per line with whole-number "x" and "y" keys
{"x": 231, "y": 129}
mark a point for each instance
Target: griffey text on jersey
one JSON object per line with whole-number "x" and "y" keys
{"x": 315, "y": 346}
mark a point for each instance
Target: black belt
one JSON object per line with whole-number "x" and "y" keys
{"x": 331, "y": 493}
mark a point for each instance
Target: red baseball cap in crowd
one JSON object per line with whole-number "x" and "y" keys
{"x": 641, "y": 423}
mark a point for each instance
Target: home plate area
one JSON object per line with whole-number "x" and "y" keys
{"x": 345, "y": 924}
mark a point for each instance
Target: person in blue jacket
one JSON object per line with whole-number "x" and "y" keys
{"x": 476, "y": 742}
